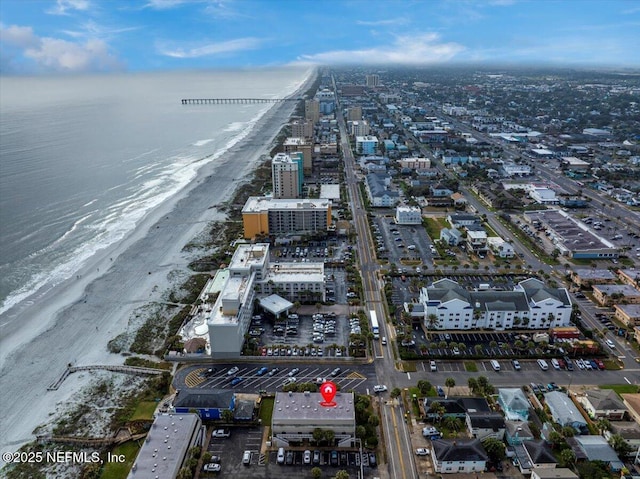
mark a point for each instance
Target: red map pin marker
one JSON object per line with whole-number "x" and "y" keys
{"x": 328, "y": 391}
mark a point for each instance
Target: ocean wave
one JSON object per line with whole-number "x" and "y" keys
{"x": 203, "y": 142}
{"x": 235, "y": 126}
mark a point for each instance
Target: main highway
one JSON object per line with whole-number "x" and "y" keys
{"x": 399, "y": 464}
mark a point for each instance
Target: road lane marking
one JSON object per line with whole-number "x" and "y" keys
{"x": 395, "y": 427}
{"x": 629, "y": 382}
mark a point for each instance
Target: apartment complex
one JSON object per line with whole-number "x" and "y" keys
{"x": 302, "y": 129}
{"x": 366, "y": 145}
{"x": 408, "y": 215}
{"x": 312, "y": 110}
{"x": 270, "y": 216}
{"x": 287, "y": 176}
{"x": 372, "y": 80}
{"x": 530, "y": 305}
{"x": 293, "y": 145}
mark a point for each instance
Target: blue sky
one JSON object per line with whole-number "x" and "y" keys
{"x": 38, "y": 36}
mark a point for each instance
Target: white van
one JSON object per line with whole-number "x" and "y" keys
{"x": 495, "y": 365}
{"x": 555, "y": 363}
{"x": 281, "y": 455}
{"x": 246, "y": 458}
{"x": 543, "y": 364}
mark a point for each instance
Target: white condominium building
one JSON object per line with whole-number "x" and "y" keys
{"x": 531, "y": 305}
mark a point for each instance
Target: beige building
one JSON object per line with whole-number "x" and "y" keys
{"x": 302, "y": 129}
{"x": 630, "y": 277}
{"x": 292, "y": 145}
{"x": 628, "y": 314}
{"x": 632, "y": 401}
{"x": 372, "y": 80}
{"x": 285, "y": 176}
{"x": 354, "y": 113}
{"x": 609, "y": 294}
{"x": 415, "y": 163}
{"x": 312, "y": 110}
{"x": 587, "y": 277}
{"x": 296, "y": 415}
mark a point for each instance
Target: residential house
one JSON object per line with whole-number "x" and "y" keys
{"x": 459, "y": 200}
{"x": 628, "y": 430}
{"x": 603, "y": 403}
{"x": 514, "y": 404}
{"x": 477, "y": 241}
{"x": 595, "y": 448}
{"x": 534, "y": 454}
{"x": 451, "y": 236}
{"x": 500, "y": 247}
{"x": 564, "y": 412}
{"x": 517, "y": 431}
{"x": 458, "y": 456}
{"x": 557, "y": 473}
{"x": 379, "y": 194}
{"x": 459, "y": 220}
{"x": 632, "y": 401}
{"x": 485, "y": 424}
{"x": 455, "y": 407}
{"x": 440, "y": 190}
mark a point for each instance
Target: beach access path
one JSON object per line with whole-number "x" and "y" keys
{"x": 72, "y": 323}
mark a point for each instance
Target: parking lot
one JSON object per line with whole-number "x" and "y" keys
{"x": 360, "y": 378}
{"x": 264, "y": 463}
{"x": 302, "y": 335}
{"x": 484, "y": 366}
{"x": 401, "y": 241}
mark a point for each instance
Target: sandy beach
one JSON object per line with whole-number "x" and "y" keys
{"x": 73, "y": 322}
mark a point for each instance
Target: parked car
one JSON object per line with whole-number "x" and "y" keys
{"x": 293, "y": 372}
{"x": 334, "y": 458}
{"x": 306, "y": 457}
{"x": 236, "y": 381}
{"x": 379, "y": 388}
{"x": 440, "y": 391}
{"x": 221, "y": 433}
{"x": 233, "y": 370}
{"x": 335, "y": 372}
{"x": 422, "y": 451}
{"x": 212, "y": 467}
{"x": 432, "y": 366}
{"x": 262, "y": 371}
{"x": 372, "y": 459}
{"x": 289, "y": 381}
{"x": 273, "y": 371}
{"x": 516, "y": 365}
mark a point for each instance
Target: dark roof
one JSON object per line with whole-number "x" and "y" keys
{"x": 604, "y": 400}
{"x": 537, "y": 291}
{"x": 484, "y": 420}
{"x": 204, "y": 398}
{"x": 499, "y": 300}
{"x": 244, "y": 409}
{"x": 539, "y": 452}
{"x": 458, "y": 450}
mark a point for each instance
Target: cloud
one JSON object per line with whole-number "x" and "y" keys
{"x": 63, "y": 7}
{"x": 406, "y": 50}
{"x": 239, "y": 44}
{"x": 91, "y": 29}
{"x": 54, "y": 54}
{"x": 168, "y": 4}
{"x": 379, "y": 23}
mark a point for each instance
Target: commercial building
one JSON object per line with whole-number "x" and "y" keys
{"x": 248, "y": 275}
{"x": 297, "y": 415}
{"x": 415, "y": 163}
{"x": 587, "y": 277}
{"x": 359, "y": 128}
{"x": 269, "y": 216}
{"x": 287, "y": 176}
{"x": 513, "y": 169}
{"x": 408, "y": 215}
{"x": 531, "y": 305}
{"x": 542, "y": 195}
{"x": 166, "y": 448}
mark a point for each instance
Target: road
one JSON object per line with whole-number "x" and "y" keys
{"x": 400, "y": 464}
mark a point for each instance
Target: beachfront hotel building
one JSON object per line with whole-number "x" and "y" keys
{"x": 287, "y": 176}
{"x": 297, "y": 415}
{"x": 251, "y": 276}
{"x": 312, "y": 110}
{"x": 282, "y": 217}
{"x": 531, "y": 305}
{"x": 302, "y": 129}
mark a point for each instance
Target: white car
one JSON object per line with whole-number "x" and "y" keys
{"x": 212, "y": 467}
{"x": 379, "y": 388}
{"x": 289, "y": 381}
{"x": 422, "y": 451}
{"x": 233, "y": 370}
{"x": 433, "y": 366}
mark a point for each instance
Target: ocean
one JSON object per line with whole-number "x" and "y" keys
{"x": 83, "y": 159}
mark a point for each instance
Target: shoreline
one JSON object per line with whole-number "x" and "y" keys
{"x": 74, "y": 321}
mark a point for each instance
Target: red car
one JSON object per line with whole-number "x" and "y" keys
{"x": 600, "y": 364}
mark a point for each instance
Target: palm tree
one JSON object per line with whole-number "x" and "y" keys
{"x": 449, "y": 382}
{"x": 453, "y": 423}
{"x": 432, "y": 323}
{"x": 602, "y": 425}
{"x": 438, "y": 409}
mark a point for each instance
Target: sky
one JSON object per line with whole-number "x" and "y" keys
{"x": 79, "y": 36}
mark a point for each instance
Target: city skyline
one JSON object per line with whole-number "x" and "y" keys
{"x": 75, "y": 36}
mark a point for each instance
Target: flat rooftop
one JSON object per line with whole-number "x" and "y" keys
{"x": 306, "y": 407}
{"x": 165, "y": 447}
{"x": 590, "y": 273}
{"x": 574, "y": 235}
{"x": 631, "y": 310}
{"x": 235, "y": 291}
{"x": 247, "y": 255}
{"x": 623, "y": 289}
{"x": 256, "y": 204}
{"x": 296, "y": 272}
{"x": 330, "y": 192}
